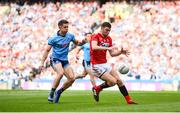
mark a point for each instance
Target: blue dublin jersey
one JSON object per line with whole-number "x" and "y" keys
{"x": 86, "y": 49}
{"x": 60, "y": 45}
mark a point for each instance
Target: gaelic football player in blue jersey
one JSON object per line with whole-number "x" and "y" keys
{"x": 86, "y": 60}
{"x": 59, "y": 43}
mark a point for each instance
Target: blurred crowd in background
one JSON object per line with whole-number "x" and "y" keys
{"x": 149, "y": 30}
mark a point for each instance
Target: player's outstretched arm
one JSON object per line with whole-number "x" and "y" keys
{"x": 79, "y": 43}
{"x": 115, "y": 52}
{"x": 46, "y": 52}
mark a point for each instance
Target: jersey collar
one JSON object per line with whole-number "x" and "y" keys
{"x": 58, "y": 34}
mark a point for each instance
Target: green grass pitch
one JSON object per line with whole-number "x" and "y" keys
{"x": 82, "y": 101}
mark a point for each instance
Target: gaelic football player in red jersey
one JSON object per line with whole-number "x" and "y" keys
{"x": 101, "y": 43}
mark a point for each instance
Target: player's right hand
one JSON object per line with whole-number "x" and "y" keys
{"x": 41, "y": 67}
{"x": 77, "y": 57}
{"x": 125, "y": 52}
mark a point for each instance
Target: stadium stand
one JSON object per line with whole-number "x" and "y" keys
{"x": 150, "y": 30}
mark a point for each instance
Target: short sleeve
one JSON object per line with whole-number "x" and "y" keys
{"x": 73, "y": 38}
{"x": 94, "y": 38}
{"x": 51, "y": 41}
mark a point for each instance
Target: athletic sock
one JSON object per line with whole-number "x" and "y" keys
{"x": 102, "y": 86}
{"x": 124, "y": 91}
{"x": 52, "y": 92}
{"x": 60, "y": 90}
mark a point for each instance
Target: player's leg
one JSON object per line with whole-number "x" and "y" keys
{"x": 92, "y": 77}
{"x": 122, "y": 87}
{"x": 109, "y": 81}
{"x": 84, "y": 63}
{"x": 59, "y": 70}
{"x": 87, "y": 67}
{"x": 70, "y": 79}
{"x": 102, "y": 72}
{"x": 81, "y": 75}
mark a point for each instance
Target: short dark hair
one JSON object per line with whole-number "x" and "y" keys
{"x": 63, "y": 21}
{"x": 106, "y": 24}
{"x": 87, "y": 33}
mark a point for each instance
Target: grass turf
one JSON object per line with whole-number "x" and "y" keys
{"x": 82, "y": 101}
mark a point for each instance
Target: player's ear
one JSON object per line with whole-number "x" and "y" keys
{"x": 60, "y": 26}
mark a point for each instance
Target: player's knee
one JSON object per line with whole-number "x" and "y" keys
{"x": 61, "y": 73}
{"x": 119, "y": 82}
{"x": 112, "y": 83}
{"x": 71, "y": 79}
{"x": 58, "y": 77}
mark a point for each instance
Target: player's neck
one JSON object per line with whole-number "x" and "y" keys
{"x": 104, "y": 36}
{"x": 60, "y": 33}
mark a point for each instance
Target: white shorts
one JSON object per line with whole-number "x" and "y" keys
{"x": 99, "y": 69}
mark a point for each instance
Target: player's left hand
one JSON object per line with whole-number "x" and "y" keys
{"x": 125, "y": 52}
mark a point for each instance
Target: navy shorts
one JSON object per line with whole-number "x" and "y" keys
{"x": 86, "y": 64}
{"x": 54, "y": 61}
